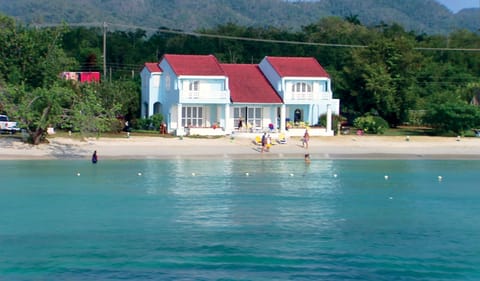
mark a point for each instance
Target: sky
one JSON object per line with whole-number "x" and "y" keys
{"x": 457, "y": 5}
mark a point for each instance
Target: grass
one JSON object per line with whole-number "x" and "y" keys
{"x": 409, "y": 131}
{"x": 416, "y": 131}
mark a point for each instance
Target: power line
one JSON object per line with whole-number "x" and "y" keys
{"x": 273, "y": 41}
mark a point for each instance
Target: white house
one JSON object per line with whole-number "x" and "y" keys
{"x": 305, "y": 88}
{"x": 198, "y": 95}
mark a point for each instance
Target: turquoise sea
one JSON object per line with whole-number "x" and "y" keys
{"x": 240, "y": 220}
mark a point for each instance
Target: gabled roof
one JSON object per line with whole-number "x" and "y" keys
{"x": 248, "y": 84}
{"x": 197, "y": 65}
{"x": 153, "y": 67}
{"x": 297, "y": 67}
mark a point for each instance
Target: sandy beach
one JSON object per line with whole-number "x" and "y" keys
{"x": 337, "y": 147}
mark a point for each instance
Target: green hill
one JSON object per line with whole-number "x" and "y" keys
{"x": 423, "y": 16}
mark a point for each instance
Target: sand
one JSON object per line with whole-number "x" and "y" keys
{"x": 337, "y": 147}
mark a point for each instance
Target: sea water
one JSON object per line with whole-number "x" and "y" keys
{"x": 240, "y": 220}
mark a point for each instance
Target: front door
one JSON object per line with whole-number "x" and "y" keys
{"x": 297, "y": 117}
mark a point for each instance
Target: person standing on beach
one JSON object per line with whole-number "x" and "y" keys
{"x": 306, "y": 139}
{"x": 94, "y": 157}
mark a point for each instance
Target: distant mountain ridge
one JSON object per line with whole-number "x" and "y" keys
{"x": 422, "y": 16}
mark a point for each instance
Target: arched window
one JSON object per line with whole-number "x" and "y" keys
{"x": 302, "y": 87}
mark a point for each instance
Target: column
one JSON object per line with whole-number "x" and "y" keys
{"x": 150, "y": 107}
{"x": 329, "y": 118}
{"x": 283, "y": 116}
{"x": 227, "y": 126}
{"x": 180, "y": 129}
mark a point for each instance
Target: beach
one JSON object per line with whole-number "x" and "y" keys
{"x": 157, "y": 147}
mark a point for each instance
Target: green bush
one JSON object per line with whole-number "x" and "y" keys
{"x": 450, "y": 117}
{"x": 156, "y": 121}
{"x": 371, "y": 124}
{"x": 151, "y": 123}
{"x": 336, "y": 119}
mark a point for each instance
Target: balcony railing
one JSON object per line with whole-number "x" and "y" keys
{"x": 307, "y": 96}
{"x": 203, "y": 95}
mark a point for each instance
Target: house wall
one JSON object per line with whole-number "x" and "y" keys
{"x": 144, "y": 100}
{"x": 212, "y": 95}
{"x": 269, "y": 115}
{"x": 321, "y": 89}
{"x": 211, "y": 90}
{"x": 170, "y": 96}
{"x": 150, "y": 88}
{"x": 272, "y": 76}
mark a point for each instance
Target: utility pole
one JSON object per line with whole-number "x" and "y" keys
{"x": 104, "y": 50}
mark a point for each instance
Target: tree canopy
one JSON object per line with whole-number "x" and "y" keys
{"x": 381, "y": 71}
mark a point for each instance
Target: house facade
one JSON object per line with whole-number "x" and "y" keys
{"x": 198, "y": 95}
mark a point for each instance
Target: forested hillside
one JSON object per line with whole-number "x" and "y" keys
{"x": 423, "y": 16}
{"x": 383, "y": 72}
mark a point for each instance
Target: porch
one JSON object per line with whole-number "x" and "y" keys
{"x": 292, "y": 132}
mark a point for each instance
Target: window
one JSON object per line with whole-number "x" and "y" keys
{"x": 302, "y": 87}
{"x": 239, "y": 114}
{"x": 192, "y": 116}
{"x": 194, "y": 86}
{"x": 251, "y": 116}
{"x": 254, "y": 116}
{"x": 324, "y": 86}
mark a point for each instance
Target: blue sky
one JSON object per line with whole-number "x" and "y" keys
{"x": 457, "y": 5}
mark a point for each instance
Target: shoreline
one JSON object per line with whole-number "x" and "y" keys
{"x": 337, "y": 147}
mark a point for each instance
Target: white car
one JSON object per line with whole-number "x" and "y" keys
{"x": 7, "y": 126}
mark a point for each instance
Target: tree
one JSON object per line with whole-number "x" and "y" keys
{"x": 89, "y": 114}
{"x": 33, "y": 57}
{"x": 453, "y": 117}
{"x": 32, "y": 60}
{"x": 122, "y": 95}
{"x": 36, "y": 109}
{"x": 381, "y": 78}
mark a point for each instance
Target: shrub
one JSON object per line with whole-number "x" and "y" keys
{"x": 457, "y": 118}
{"x": 371, "y": 124}
{"x": 151, "y": 123}
{"x": 336, "y": 119}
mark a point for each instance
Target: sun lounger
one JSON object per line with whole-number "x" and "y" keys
{"x": 258, "y": 140}
{"x": 282, "y": 139}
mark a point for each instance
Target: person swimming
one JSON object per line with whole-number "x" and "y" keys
{"x": 94, "y": 157}
{"x": 307, "y": 158}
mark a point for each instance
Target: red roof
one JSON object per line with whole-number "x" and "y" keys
{"x": 153, "y": 67}
{"x": 248, "y": 85}
{"x": 198, "y": 65}
{"x": 297, "y": 67}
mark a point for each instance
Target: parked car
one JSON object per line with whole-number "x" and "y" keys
{"x": 7, "y": 126}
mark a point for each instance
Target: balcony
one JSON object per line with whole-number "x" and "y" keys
{"x": 204, "y": 96}
{"x": 306, "y": 97}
